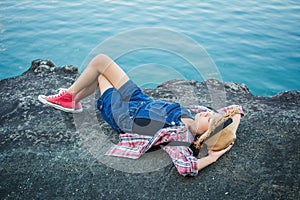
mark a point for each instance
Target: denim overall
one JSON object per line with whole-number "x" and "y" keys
{"x": 124, "y": 107}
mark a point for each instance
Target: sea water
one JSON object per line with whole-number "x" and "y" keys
{"x": 251, "y": 42}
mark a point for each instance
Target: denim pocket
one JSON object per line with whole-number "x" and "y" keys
{"x": 134, "y": 107}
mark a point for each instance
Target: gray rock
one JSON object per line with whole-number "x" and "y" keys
{"x": 43, "y": 156}
{"x": 42, "y": 66}
{"x": 69, "y": 69}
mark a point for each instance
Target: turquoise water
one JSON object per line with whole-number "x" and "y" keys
{"x": 251, "y": 42}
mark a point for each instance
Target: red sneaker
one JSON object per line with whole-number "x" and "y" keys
{"x": 63, "y": 101}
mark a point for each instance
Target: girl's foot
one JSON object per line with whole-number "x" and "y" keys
{"x": 63, "y": 101}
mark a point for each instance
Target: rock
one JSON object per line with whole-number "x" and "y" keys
{"x": 41, "y": 66}
{"x": 69, "y": 69}
{"x": 26, "y": 102}
{"x": 237, "y": 87}
{"x": 288, "y": 96}
{"x": 43, "y": 155}
{"x": 8, "y": 108}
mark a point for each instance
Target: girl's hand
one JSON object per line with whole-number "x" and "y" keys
{"x": 215, "y": 155}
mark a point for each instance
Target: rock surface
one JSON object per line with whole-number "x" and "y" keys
{"x": 43, "y": 155}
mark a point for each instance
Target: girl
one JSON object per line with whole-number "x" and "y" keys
{"x": 143, "y": 123}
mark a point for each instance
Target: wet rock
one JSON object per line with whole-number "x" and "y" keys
{"x": 70, "y": 69}
{"x": 237, "y": 87}
{"x": 43, "y": 154}
{"x": 288, "y": 96}
{"x": 42, "y": 66}
{"x": 8, "y": 108}
{"x": 26, "y": 102}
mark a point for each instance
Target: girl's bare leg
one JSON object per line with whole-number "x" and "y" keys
{"x": 104, "y": 84}
{"x": 87, "y": 82}
{"x": 86, "y": 91}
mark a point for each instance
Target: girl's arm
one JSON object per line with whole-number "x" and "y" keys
{"x": 212, "y": 157}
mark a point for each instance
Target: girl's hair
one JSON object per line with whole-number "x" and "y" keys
{"x": 218, "y": 120}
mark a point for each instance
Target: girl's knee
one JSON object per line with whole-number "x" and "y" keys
{"x": 101, "y": 62}
{"x": 102, "y": 58}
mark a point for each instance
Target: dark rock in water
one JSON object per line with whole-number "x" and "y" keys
{"x": 40, "y": 66}
{"x": 48, "y": 154}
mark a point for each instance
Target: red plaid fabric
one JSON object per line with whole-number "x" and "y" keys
{"x": 134, "y": 145}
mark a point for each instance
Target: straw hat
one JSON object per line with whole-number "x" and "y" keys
{"x": 220, "y": 133}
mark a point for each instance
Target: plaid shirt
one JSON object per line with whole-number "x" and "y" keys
{"x": 134, "y": 145}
